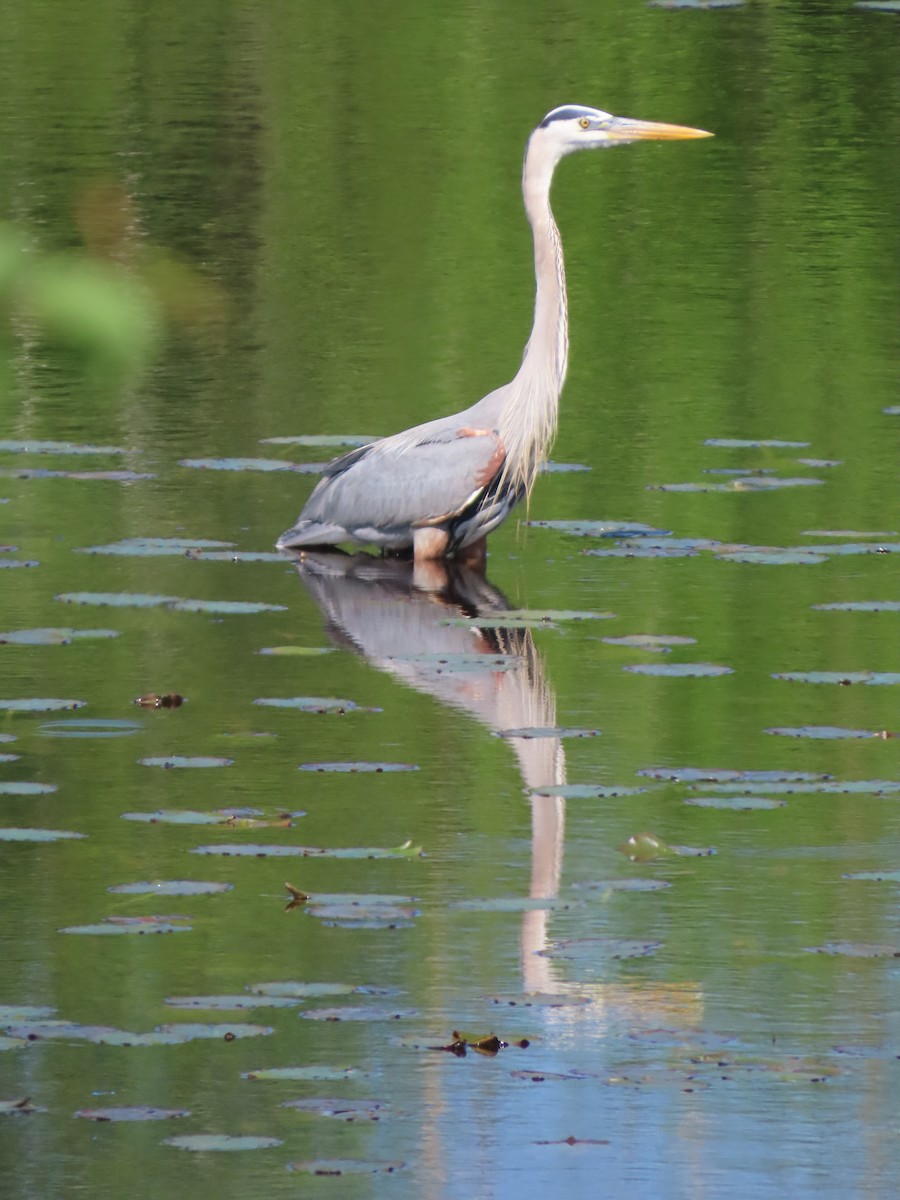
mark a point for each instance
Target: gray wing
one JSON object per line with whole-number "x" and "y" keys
{"x": 384, "y": 491}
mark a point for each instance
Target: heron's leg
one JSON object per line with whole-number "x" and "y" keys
{"x": 474, "y": 556}
{"x": 429, "y": 543}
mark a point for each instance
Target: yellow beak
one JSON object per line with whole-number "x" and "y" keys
{"x": 625, "y": 130}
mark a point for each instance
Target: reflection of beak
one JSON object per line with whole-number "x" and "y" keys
{"x": 623, "y": 129}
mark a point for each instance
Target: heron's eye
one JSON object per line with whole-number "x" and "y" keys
{"x": 585, "y": 123}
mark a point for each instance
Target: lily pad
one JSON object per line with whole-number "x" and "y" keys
{"x": 116, "y": 599}
{"x": 347, "y": 1166}
{"x": 825, "y": 787}
{"x": 246, "y": 850}
{"x": 754, "y": 443}
{"x": 34, "y": 446}
{"x": 226, "y": 607}
{"x": 8, "y": 758}
{"x": 24, "y": 788}
{"x": 888, "y": 6}
{"x": 231, "y": 1003}
{"x": 884, "y": 678}
{"x": 547, "y": 731}
{"x": 718, "y": 775}
{"x": 773, "y": 558}
{"x": 358, "y": 768}
{"x": 587, "y": 950}
{"x": 854, "y": 548}
{"x": 359, "y": 1013}
{"x": 12, "y": 563}
{"x": 38, "y": 835}
{"x": 201, "y": 1031}
{"x": 180, "y": 760}
{"x": 508, "y": 904}
{"x": 170, "y": 887}
{"x": 318, "y": 1074}
{"x": 300, "y": 990}
{"x": 820, "y": 732}
{"x": 155, "y": 547}
{"x": 339, "y": 1108}
{"x": 860, "y": 606}
{"x": 875, "y": 876}
{"x": 855, "y": 950}
{"x": 734, "y": 803}
{"x": 440, "y": 663}
{"x": 141, "y": 1112}
{"x": 638, "y": 551}
{"x": 24, "y": 1012}
{"x": 221, "y": 1141}
{"x": 314, "y": 704}
{"x": 650, "y": 641}
{"x": 631, "y": 883}
{"x": 139, "y": 928}
{"x": 320, "y": 439}
{"x": 90, "y": 728}
{"x": 40, "y": 705}
{"x": 249, "y": 464}
{"x": 587, "y": 791}
{"x": 679, "y": 670}
{"x": 53, "y": 636}
{"x": 297, "y": 651}
{"x": 605, "y": 529}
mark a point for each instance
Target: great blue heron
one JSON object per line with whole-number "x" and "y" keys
{"x": 440, "y": 488}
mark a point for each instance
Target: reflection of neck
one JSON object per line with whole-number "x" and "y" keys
{"x": 528, "y": 424}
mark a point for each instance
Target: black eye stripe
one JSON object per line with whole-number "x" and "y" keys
{"x": 568, "y": 113}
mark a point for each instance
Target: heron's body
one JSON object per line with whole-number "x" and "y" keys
{"x": 442, "y": 487}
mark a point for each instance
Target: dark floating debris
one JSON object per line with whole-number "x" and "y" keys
{"x": 154, "y": 700}
{"x": 571, "y": 1140}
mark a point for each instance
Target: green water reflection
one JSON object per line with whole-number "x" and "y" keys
{"x": 319, "y": 207}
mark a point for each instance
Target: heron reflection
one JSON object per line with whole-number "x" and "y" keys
{"x": 407, "y": 626}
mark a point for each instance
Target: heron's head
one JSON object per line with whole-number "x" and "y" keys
{"x": 573, "y": 127}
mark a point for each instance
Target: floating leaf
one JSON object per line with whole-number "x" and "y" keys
{"x": 860, "y": 606}
{"x": 110, "y": 927}
{"x": 246, "y": 850}
{"x": 734, "y": 803}
{"x": 132, "y": 1113}
{"x": 347, "y": 1166}
{"x": 314, "y": 704}
{"x": 679, "y": 670}
{"x": 343, "y": 1110}
{"x": 193, "y": 1031}
{"x": 32, "y": 446}
{"x": 508, "y": 904}
{"x": 16, "y": 788}
{"x": 547, "y": 731}
{"x": 630, "y": 884}
{"x": 884, "y": 678}
{"x": 221, "y": 1141}
{"x": 226, "y": 607}
{"x": 231, "y": 1003}
{"x": 588, "y": 950}
{"x": 297, "y": 651}
{"x": 603, "y": 529}
{"x": 170, "y": 887}
{"x": 875, "y": 876}
{"x": 53, "y": 636}
{"x": 37, "y": 835}
{"x": 300, "y": 990}
{"x": 359, "y": 1013}
{"x": 652, "y": 550}
{"x": 587, "y": 791}
{"x": 90, "y": 728}
{"x": 315, "y": 1073}
{"x": 650, "y": 641}
{"x": 180, "y": 760}
{"x": 40, "y": 705}
{"x": 822, "y": 732}
{"x": 155, "y": 547}
{"x": 317, "y": 439}
{"x": 356, "y": 768}
{"x": 754, "y": 443}
{"x": 249, "y": 464}
{"x": 826, "y": 787}
{"x": 855, "y": 950}
{"x": 717, "y": 775}
{"x": 116, "y": 599}
{"x": 773, "y": 558}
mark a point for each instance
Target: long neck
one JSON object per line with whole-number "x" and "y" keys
{"x": 528, "y": 422}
